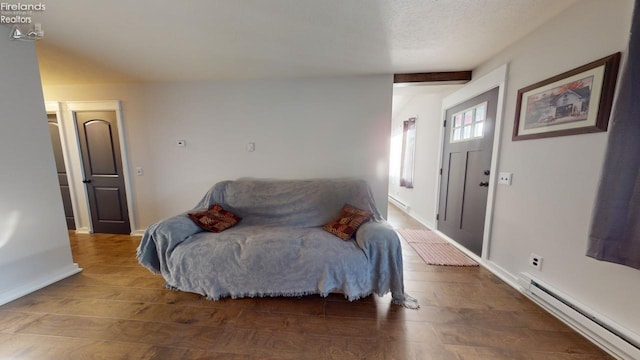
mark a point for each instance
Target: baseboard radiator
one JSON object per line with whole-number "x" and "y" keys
{"x": 399, "y": 203}
{"x": 613, "y": 338}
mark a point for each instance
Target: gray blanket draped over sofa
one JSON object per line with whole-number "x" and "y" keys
{"x": 279, "y": 248}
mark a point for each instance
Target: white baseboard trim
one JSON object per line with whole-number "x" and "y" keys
{"x": 617, "y": 349}
{"x": 83, "y": 230}
{"x": 86, "y": 231}
{"x": 613, "y": 338}
{"x": 466, "y": 251}
{"x": 422, "y": 221}
{"x": 502, "y": 274}
{"x": 399, "y": 204}
{"x": 39, "y": 283}
{"x": 494, "y": 268}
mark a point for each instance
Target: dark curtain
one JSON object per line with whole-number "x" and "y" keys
{"x": 615, "y": 227}
{"x": 408, "y": 153}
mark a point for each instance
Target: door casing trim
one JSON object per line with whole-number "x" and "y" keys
{"x": 495, "y": 78}
{"x": 54, "y": 107}
{"x": 83, "y": 199}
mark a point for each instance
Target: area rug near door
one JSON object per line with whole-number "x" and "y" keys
{"x": 435, "y": 250}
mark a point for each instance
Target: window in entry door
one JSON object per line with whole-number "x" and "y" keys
{"x": 468, "y": 124}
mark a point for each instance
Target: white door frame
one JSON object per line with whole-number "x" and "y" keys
{"x": 54, "y": 107}
{"x": 83, "y": 218}
{"x": 496, "y": 78}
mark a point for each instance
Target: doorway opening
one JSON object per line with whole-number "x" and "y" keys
{"x": 428, "y": 105}
{"x": 92, "y": 154}
{"x": 420, "y": 107}
{"x": 54, "y": 122}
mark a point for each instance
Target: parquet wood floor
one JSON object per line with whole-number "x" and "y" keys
{"x": 115, "y": 309}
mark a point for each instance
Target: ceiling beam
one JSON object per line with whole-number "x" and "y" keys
{"x": 459, "y": 77}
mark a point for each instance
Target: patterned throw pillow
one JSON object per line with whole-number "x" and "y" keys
{"x": 349, "y": 220}
{"x": 216, "y": 219}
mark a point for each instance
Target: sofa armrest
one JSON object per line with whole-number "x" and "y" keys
{"x": 161, "y": 238}
{"x": 383, "y": 249}
{"x": 376, "y": 234}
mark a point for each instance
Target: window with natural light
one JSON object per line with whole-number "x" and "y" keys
{"x": 468, "y": 124}
{"x": 408, "y": 153}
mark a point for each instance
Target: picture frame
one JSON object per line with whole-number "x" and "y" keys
{"x": 575, "y": 102}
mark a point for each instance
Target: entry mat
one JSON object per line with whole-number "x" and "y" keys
{"x": 435, "y": 250}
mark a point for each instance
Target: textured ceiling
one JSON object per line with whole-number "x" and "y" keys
{"x": 103, "y": 41}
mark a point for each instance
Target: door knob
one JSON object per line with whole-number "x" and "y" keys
{"x": 484, "y": 183}
{"x": 487, "y": 172}
{"x": 86, "y": 181}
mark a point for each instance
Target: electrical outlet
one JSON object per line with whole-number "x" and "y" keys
{"x": 535, "y": 261}
{"x": 504, "y": 178}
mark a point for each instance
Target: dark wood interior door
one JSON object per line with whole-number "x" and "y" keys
{"x": 466, "y": 162}
{"x": 103, "y": 175}
{"x": 61, "y": 169}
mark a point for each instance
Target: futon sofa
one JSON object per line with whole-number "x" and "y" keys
{"x": 279, "y": 247}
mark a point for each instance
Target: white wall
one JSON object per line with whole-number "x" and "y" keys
{"x": 548, "y": 208}
{"x": 425, "y": 103}
{"x": 136, "y": 140}
{"x": 34, "y": 244}
{"x": 305, "y": 128}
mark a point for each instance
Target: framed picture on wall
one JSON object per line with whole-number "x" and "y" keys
{"x": 575, "y": 102}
